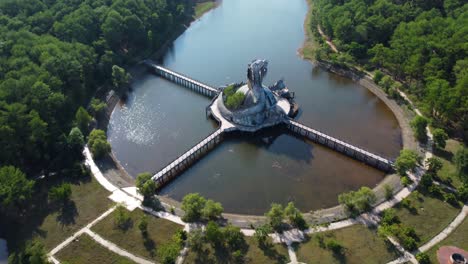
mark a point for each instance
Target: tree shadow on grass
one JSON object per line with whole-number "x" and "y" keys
{"x": 149, "y": 245}
{"x": 270, "y": 251}
{"x": 443, "y": 154}
{"x": 67, "y": 213}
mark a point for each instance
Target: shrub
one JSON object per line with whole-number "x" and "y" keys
{"x": 295, "y": 216}
{"x": 451, "y": 199}
{"x": 276, "y": 216}
{"x": 234, "y": 238}
{"x": 378, "y": 75}
{"x": 423, "y": 258}
{"x": 419, "y": 125}
{"x": 461, "y": 161}
{"x": 235, "y": 101}
{"x": 214, "y": 235}
{"x": 168, "y": 252}
{"x": 358, "y": 201}
{"x": 143, "y": 225}
{"x": 98, "y": 144}
{"x": 408, "y": 243}
{"x": 440, "y": 137}
{"x": 435, "y": 190}
{"x": 82, "y": 119}
{"x": 388, "y": 191}
{"x": 193, "y": 204}
{"x": 261, "y": 234}
{"x": 434, "y": 165}
{"x": 405, "y": 181}
{"x": 406, "y": 161}
{"x": 426, "y": 181}
{"x": 389, "y": 217}
{"x": 334, "y": 246}
{"x": 145, "y": 185}
{"x": 212, "y": 210}
{"x": 196, "y": 239}
{"x": 229, "y": 91}
{"x": 122, "y": 218}
{"x": 463, "y": 193}
{"x": 60, "y": 193}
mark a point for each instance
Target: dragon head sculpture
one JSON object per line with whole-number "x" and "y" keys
{"x": 256, "y": 71}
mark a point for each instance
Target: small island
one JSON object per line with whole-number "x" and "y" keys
{"x": 252, "y": 106}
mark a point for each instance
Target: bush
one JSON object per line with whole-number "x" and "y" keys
{"x": 440, "y": 137}
{"x": 406, "y": 161}
{"x": 235, "y": 101}
{"x": 143, "y": 225}
{"x": 229, "y": 91}
{"x": 98, "y": 144}
{"x": 389, "y": 217}
{"x": 461, "y": 161}
{"x": 426, "y": 181}
{"x": 378, "y": 75}
{"x": 261, "y": 234}
{"x": 196, "y": 239}
{"x": 145, "y": 185}
{"x": 82, "y": 119}
{"x": 419, "y": 125}
{"x": 434, "y": 165}
{"x": 405, "y": 181}
{"x": 60, "y": 193}
{"x": 435, "y": 190}
{"x": 358, "y": 201}
{"x": 388, "y": 192}
{"x": 122, "y": 218}
{"x": 193, "y": 204}
{"x": 423, "y": 258}
{"x": 168, "y": 252}
{"x": 335, "y": 247}
{"x": 463, "y": 193}
{"x": 276, "y": 216}
{"x": 409, "y": 243}
{"x": 212, "y": 210}
{"x": 451, "y": 199}
{"x": 295, "y": 216}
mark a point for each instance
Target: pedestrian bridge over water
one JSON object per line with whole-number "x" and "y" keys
{"x": 174, "y": 168}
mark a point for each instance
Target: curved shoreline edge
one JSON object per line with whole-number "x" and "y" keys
{"x": 121, "y": 178}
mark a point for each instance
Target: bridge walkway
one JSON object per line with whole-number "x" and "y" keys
{"x": 183, "y": 80}
{"x": 340, "y": 146}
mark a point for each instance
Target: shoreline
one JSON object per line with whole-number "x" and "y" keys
{"x": 326, "y": 215}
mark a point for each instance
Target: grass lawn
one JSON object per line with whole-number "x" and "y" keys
{"x": 361, "y": 244}
{"x": 458, "y": 238}
{"x": 85, "y": 250}
{"x": 310, "y": 44}
{"x": 203, "y": 7}
{"x": 51, "y": 224}
{"x": 160, "y": 231}
{"x": 277, "y": 253}
{"x": 449, "y": 171}
{"x": 428, "y": 217}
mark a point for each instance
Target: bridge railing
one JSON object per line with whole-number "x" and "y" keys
{"x": 342, "y": 142}
{"x": 185, "y": 76}
{"x": 188, "y": 152}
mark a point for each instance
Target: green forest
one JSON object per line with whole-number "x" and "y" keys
{"x": 422, "y": 44}
{"x": 54, "y": 57}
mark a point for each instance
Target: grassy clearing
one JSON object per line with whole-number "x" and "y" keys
{"x": 361, "y": 244}
{"x": 427, "y": 215}
{"x": 310, "y": 45}
{"x": 203, "y": 7}
{"x": 275, "y": 254}
{"x": 85, "y": 250}
{"x": 160, "y": 231}
{"x": 51, "y": 224}
{"x": 448, "y": 174}
{"x": 458, "y": 238}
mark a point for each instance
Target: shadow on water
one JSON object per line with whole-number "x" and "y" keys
{"x": 277, "y": 140}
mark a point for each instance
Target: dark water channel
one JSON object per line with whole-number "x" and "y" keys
{"x": 162, "y": 120}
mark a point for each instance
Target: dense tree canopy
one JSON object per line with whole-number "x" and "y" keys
{"x": 54, "y": 57}
{"x": 421, "y": 43}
